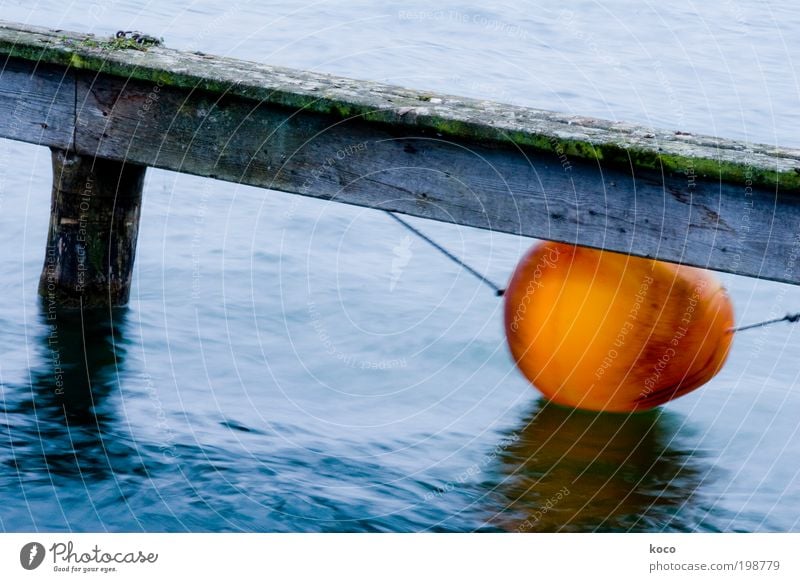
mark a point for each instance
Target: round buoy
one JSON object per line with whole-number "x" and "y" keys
{"x": 606, "y": 331}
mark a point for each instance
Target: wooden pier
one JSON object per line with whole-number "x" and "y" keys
{"x": 109, "y": 108}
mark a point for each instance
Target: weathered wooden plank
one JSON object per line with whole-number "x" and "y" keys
{"x": 450, "y": 116}
{"x": 37, "y": 103}
{"x": 691, "y": 199}
{"x": 728, "y": 227}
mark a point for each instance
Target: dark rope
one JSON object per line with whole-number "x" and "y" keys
{"x": 497, "y": 290}
{"x": 790, "y": 317}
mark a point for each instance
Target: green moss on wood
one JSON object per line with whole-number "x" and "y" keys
{"x": 96, "y": 251}
{"x": 123, "y": 57}
{"x": 114, "y": 44}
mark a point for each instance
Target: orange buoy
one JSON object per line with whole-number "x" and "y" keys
{"x": 606, "y": 331}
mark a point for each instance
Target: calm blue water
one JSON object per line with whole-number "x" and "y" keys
{"x": 289, "y": 364}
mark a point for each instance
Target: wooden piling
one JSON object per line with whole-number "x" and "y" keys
{"x": 94, "y": 222}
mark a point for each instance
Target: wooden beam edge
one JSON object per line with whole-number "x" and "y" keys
{"x": 451, "y": 117}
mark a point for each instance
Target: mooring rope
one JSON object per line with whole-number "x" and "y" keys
{"x": 497, "y": 289}
{"x": 790, "y": 317}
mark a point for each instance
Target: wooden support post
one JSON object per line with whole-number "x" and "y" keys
{"x": 94, "y": 222}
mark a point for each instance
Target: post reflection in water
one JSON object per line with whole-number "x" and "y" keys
{"x": 71, "y": 415}
{"x": 84, "y": 355}
{"x": 572, "y": 470}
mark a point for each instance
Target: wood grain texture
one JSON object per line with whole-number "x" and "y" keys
{"x": 94, "y": 224}
{"x": 692, "y": 199}
{"x": 674, "y": 217}
{"x": 450, "y": 116}
{"x": 37, "y": 103}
